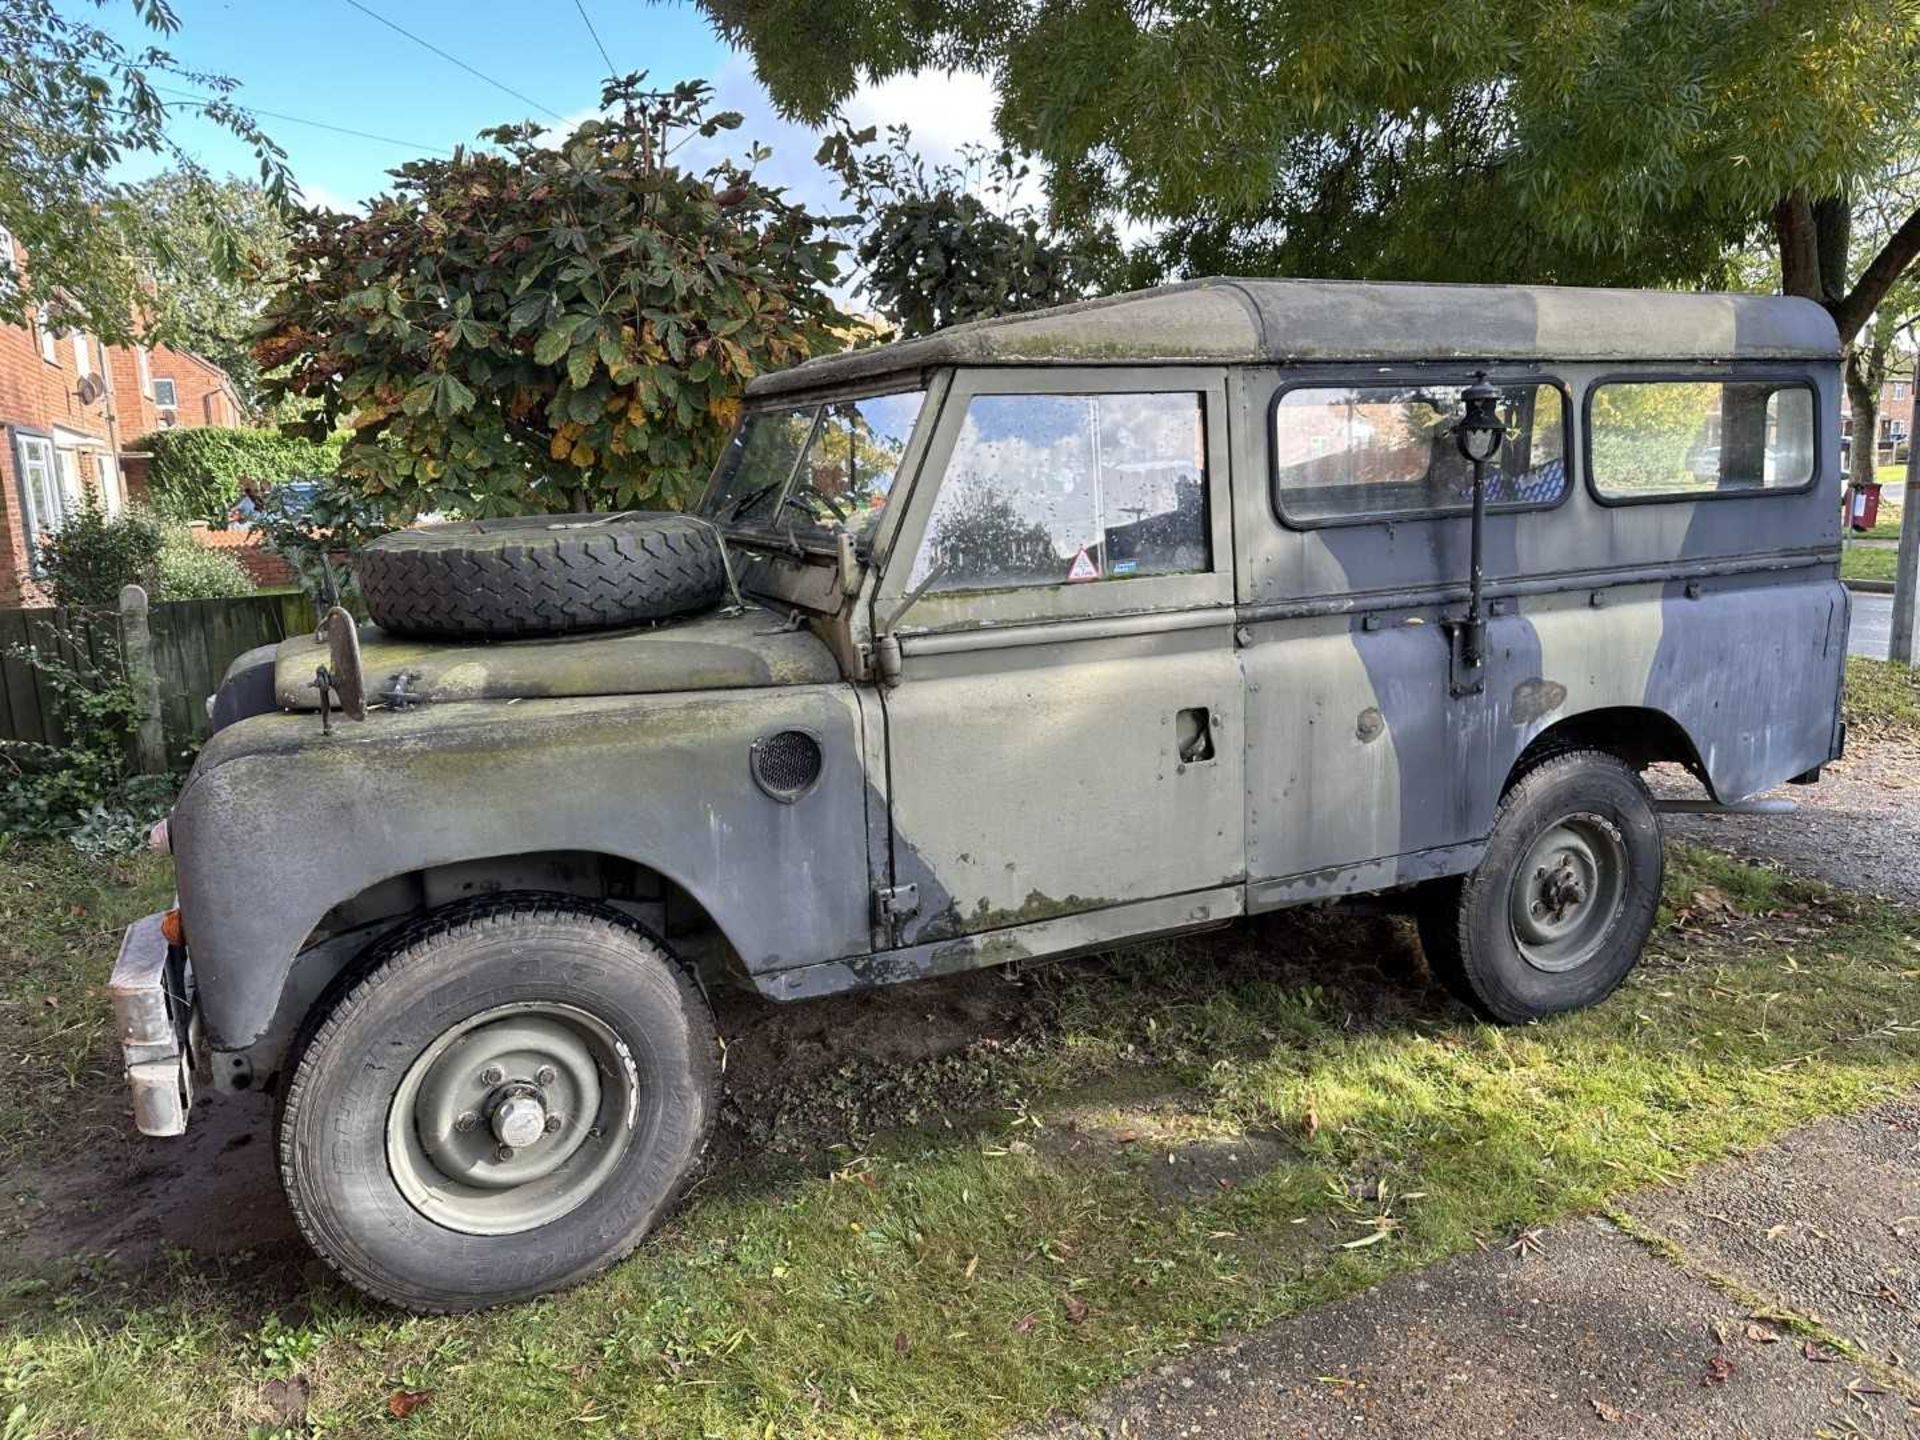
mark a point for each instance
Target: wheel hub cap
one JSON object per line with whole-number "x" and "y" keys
{"x": 511, "y": 1118}
{"x": 520, "y": 1120}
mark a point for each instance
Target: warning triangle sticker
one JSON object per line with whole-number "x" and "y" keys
{"x": 1083, "y": 567}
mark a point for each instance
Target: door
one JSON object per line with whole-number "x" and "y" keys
{"x": 1369, "y": 766}
{"x": 1063, "y": 736}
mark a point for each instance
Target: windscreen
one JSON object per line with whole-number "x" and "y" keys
{"x": 814, "y": 467}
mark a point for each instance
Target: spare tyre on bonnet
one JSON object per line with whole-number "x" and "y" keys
{"x": 540, "y": 574}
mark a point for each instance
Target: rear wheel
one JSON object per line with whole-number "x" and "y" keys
{"x": 1561, "y": 904}
{"x": 502, "y": 1104}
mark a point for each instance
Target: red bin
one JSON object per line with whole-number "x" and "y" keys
{"x": 1863, "y": 505}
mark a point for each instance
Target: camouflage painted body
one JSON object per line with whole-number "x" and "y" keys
{"x": 1003, "y": 774}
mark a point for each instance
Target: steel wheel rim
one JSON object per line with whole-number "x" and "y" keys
{"x": 512, "y": 1118}
{"x": 1568, "y": 893}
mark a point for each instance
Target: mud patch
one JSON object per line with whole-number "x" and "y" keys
{"x": 212, "y": 1191}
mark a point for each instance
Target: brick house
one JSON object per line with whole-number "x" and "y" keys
{"x": 69, "y": 407}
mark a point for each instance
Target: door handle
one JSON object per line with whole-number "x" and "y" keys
{"x": 1193, "y": 735}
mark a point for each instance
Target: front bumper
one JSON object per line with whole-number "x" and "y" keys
{"x": 152, "y": 989}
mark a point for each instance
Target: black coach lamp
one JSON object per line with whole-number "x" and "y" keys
{"x": 1478, "y": 435}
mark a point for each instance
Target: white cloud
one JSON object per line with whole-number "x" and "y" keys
{"x": 320, "y": 197}
{"x": 944, "y": 111}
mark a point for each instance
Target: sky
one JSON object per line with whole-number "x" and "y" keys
{"x": 333, "y": 62}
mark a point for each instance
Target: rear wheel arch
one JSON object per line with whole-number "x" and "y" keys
{"x": 1638, "y": 735}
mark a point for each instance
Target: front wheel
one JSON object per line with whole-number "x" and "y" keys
{"x": 504, "y": 1104}
{"x": 1561, "y": 904}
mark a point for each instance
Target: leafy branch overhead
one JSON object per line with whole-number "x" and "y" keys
{"x": 540, "y": 326}
{"x": 78, "y": 104}
{"x": 1579, "y": 141}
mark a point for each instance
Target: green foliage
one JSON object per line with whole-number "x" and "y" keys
{"x": 91, "y": 556}
{"x": 211, "y": 252}
{"x": 85, "y": 790}
{"x": 546, "y": 326}
{"x": 318, "y": 530}
{"x": 196, "y": 474}
{"x": 189, "y": 570}
{"x": 1584, "y": 140}
{"x": 958, "y": 243}
{"x": 79, "y": 104}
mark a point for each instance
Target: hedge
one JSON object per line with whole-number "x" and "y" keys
{"x": 196, "y": 474}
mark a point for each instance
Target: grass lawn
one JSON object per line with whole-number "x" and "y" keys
{"x": 1860, "y": 563}
{"x": 1178, "y": 1140}
{"x": 1882, "y": 699}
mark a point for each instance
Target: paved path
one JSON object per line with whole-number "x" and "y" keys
{"x": 1872, "y": 625}
{"x": 1687, "y": 1316}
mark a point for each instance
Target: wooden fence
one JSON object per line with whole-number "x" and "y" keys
{"x": 190, "y": 644}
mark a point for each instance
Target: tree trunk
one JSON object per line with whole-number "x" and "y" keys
{"x": 1863, "y": 402}
{"x": 1798, "y": 238}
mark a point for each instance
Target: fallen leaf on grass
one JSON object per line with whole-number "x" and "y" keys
{"x": 972, "y": 1265}
{"x": 901, "y": 1344}
{"x": 1761, "y": 1335}
{"x": 1611, "y": 1414}
{"x": 402, "y": 1403}
{"x": 1075, "y": 1307}
{"x": 1374, "y": 1239}
{"x": 1024, "y": 1325}
{"x": 1817, "y": 1353}
{"x": 1719, "y": 1370}
{"x": 1311, "y": 1122}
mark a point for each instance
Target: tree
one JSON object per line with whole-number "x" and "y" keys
{"x": 549, "y": 327}
{"x": 1887, "y": 335}
{"x": 1584, "y": 140}
{"x": 957, "y": 242}
{"x": 211, "y": 248}
{"x": 75, "y": 104}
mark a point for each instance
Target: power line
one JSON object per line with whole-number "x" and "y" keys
{"x": 205, "y": 100}
{"x": 453, "y": 59}
{"x": 581, "y": 7}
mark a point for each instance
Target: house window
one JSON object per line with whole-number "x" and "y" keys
{"x": 33, "y": 467}
{"x": 43, "y": 324}
{"x": 164, "y": 395}
{"x": 82, "y": 354}
{"x": 1900, "y": 389}
{"x": 143, "y": 365}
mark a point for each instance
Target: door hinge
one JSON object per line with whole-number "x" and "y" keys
{"x": 892, "y": 904}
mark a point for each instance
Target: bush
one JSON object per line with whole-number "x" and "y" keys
{"x": 91, "y": 556}
{"x": 86, "y": 790}
{"x": 190, "y": 571}
{"x": 197, "y": 474}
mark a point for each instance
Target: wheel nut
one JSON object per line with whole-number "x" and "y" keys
{"x": 503, "y": 1152}
{"x": 553, "y": 1123}
{"x": 467, "y": 1121}
{"x": 546, "y": 1075}
{"x": 492, "y": 1075}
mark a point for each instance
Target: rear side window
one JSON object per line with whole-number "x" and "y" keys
{"x": 1343, "y": 453}
{"x": 1068, "y": 489}
{"x": 1660, "y": 439}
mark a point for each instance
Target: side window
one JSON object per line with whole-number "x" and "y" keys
{"x": 1378, "y": 451}
{"x": 1059, "y": 489}
{"x": 1678, "y": 438}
